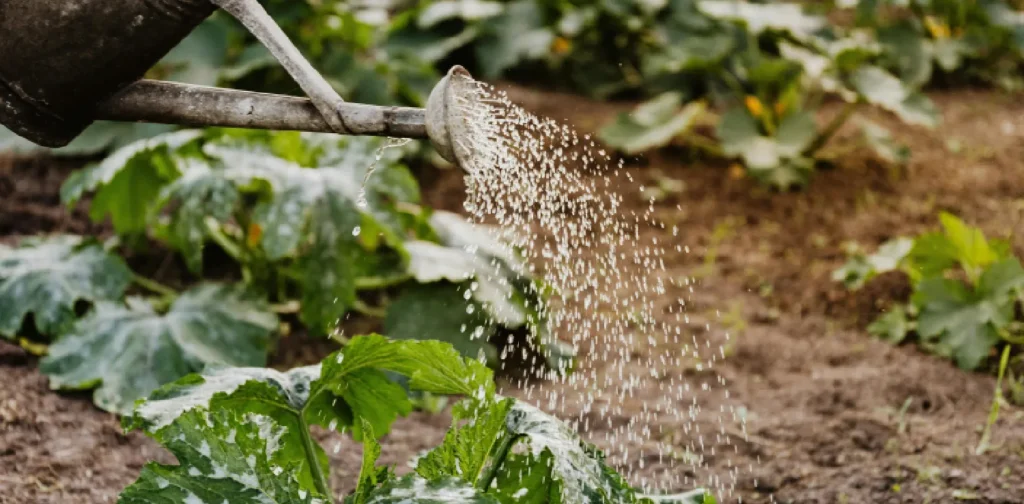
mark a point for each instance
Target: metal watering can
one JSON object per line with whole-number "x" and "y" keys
{"x": 67, "y": 63}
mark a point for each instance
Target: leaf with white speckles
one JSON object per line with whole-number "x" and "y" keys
{"x": 46, "y": 277}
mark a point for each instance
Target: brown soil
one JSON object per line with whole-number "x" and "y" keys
{"x": 824, "y": 399}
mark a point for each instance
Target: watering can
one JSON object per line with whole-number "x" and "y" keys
{"x": 67, "y": 63}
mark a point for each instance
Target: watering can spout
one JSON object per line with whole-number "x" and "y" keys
{"x": 66, "y": 63}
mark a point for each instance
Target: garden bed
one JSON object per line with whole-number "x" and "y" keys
{"x": 834, "y": 415}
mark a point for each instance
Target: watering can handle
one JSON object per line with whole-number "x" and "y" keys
{"x": 59, "y": 58}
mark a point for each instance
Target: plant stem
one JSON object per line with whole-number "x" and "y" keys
{"x": 319, "y": 478}
{"x": 154, "y": 286}
{"x": 997, "y": 398}
{"x": 831, "y": 129}
{"x": 224, "y": 241}
{"x": 484, "y": 482}
{"x": 365, "y": 309}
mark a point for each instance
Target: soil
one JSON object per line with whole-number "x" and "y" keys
{"x": 833, "y": 415}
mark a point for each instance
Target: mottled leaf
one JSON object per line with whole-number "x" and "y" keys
{"x": 881, "y": 88}
{"x": 413, "y": 489}
{"x": 224, "y": 456}
{"x": 46, "y": 277}
{"x": 519, "y": 34}
{"x": 126, "y": 352}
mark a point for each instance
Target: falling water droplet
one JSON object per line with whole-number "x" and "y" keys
{"x": 356, "y": 230}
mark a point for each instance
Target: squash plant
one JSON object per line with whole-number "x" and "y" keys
{"x": 948, "y": 40}
{"x": 780, "y": 68}
{"x": 966, "y": 291}
{"x": 313, "y": 226}
{"x": 242, "y": 435}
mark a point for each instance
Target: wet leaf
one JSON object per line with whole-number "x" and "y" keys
{"x": 467, "y": 449}
{"x": 46, "y": 277}
{"x": 126, "y": 352}
{"x": 224, "y": 453}
{"x": 413, "y": 489}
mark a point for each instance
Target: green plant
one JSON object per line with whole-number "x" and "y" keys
{"x": 928, "y": 40}
{"x": 780, "y": 67}
{"x": 966, "y": 291}
{"x": 306, "y": 227}
{"x": 242, "y": 435}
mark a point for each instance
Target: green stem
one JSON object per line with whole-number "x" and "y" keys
{"x": 372, "y": 311}
{"x": 484, "y": 482}
{"x": 706, "y": 145}
{"x": 225, "y": 242}
{"x": 154, "y": 286}
{"x": 381, "y": 282}
{"x": 997, "y": 397}
{"x": 831, "y": 129}
{"x": 319, "y": 478}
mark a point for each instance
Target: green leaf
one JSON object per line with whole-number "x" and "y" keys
{"x": 126, "y": 352}
{"x": 466, "y": 449}
{"x": 973, "y": 250}
{"x": 199, "y": 57}
{"x": 370, "y": 476}
{"x": 885, "y": 146}
{"x": 224, "y": 456}
{"x": 324, "y": 394}
{"x": 783, "y": 17}
{"x": 737, "y": 130}
{"x": 577, "y": 469}
{"x": 413, "y": 489}
{"x": 796, "y": 132}
{"x": 314, "y": 215}
{"x": 881, "y": 88}
{"x": 860, "y": 268}
{"x": 641, "y": 131}
{"x": 958, "y": 243}
{"x": 200, "y": 193}
{"x": 467, "y": 10}
{"x": 46, "y": 277}
{"x": 909, "y": 51}
{"x": 519, "y": 34}
{"x": 965, "y": 321}
{"x": 893, "y": 326}
{"x": 98, "y": 137}
{"x": 128, "y": 182}
{"x": 438, "y": 311}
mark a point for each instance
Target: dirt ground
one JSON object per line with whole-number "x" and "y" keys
{"x": 834, "y": 416}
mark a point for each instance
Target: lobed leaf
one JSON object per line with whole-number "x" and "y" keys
{"x": 126, "y": 352}
{"x": 47, "y": 277}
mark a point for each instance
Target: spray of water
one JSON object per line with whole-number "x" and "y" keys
{"x": 555, "y": 195}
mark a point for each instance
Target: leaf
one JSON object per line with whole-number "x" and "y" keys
{"x": 966, "y": 321}
{"x": 126, "y": 352}
{"x": 224, "y": 456}
{"x": 638, "y": 132}
{"x": 467, "y": 10}
{"x": 323, "y": 394}
{"x": 370, "y": 477}
{"x": 466, "y": 449}
{"x": 736, "y": 130}
{"x": 860, "y": 268}
{"x": 128, "y": 181}
{"x": 885, "y": 146}
{"x": 576, "y": 469}
{"x": 892, "y": 327}
{"x": 98, "y": 137}
{"x": 440, "y": 312}
{"x": 796, "y": 132}
{"x": 881, "y": 88}
{"x": 519, "y": 34}
{"x": 784, "y": 17}
{"x": 415, "y": 490}
{"x": 958, "y": 243}
{"x": 315, "y": 216}
{"x": 46, "y": 277}
{"x": 201, "y": 193}
{"x": 910, "y": 52}
{"x": 198, "y": 58}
